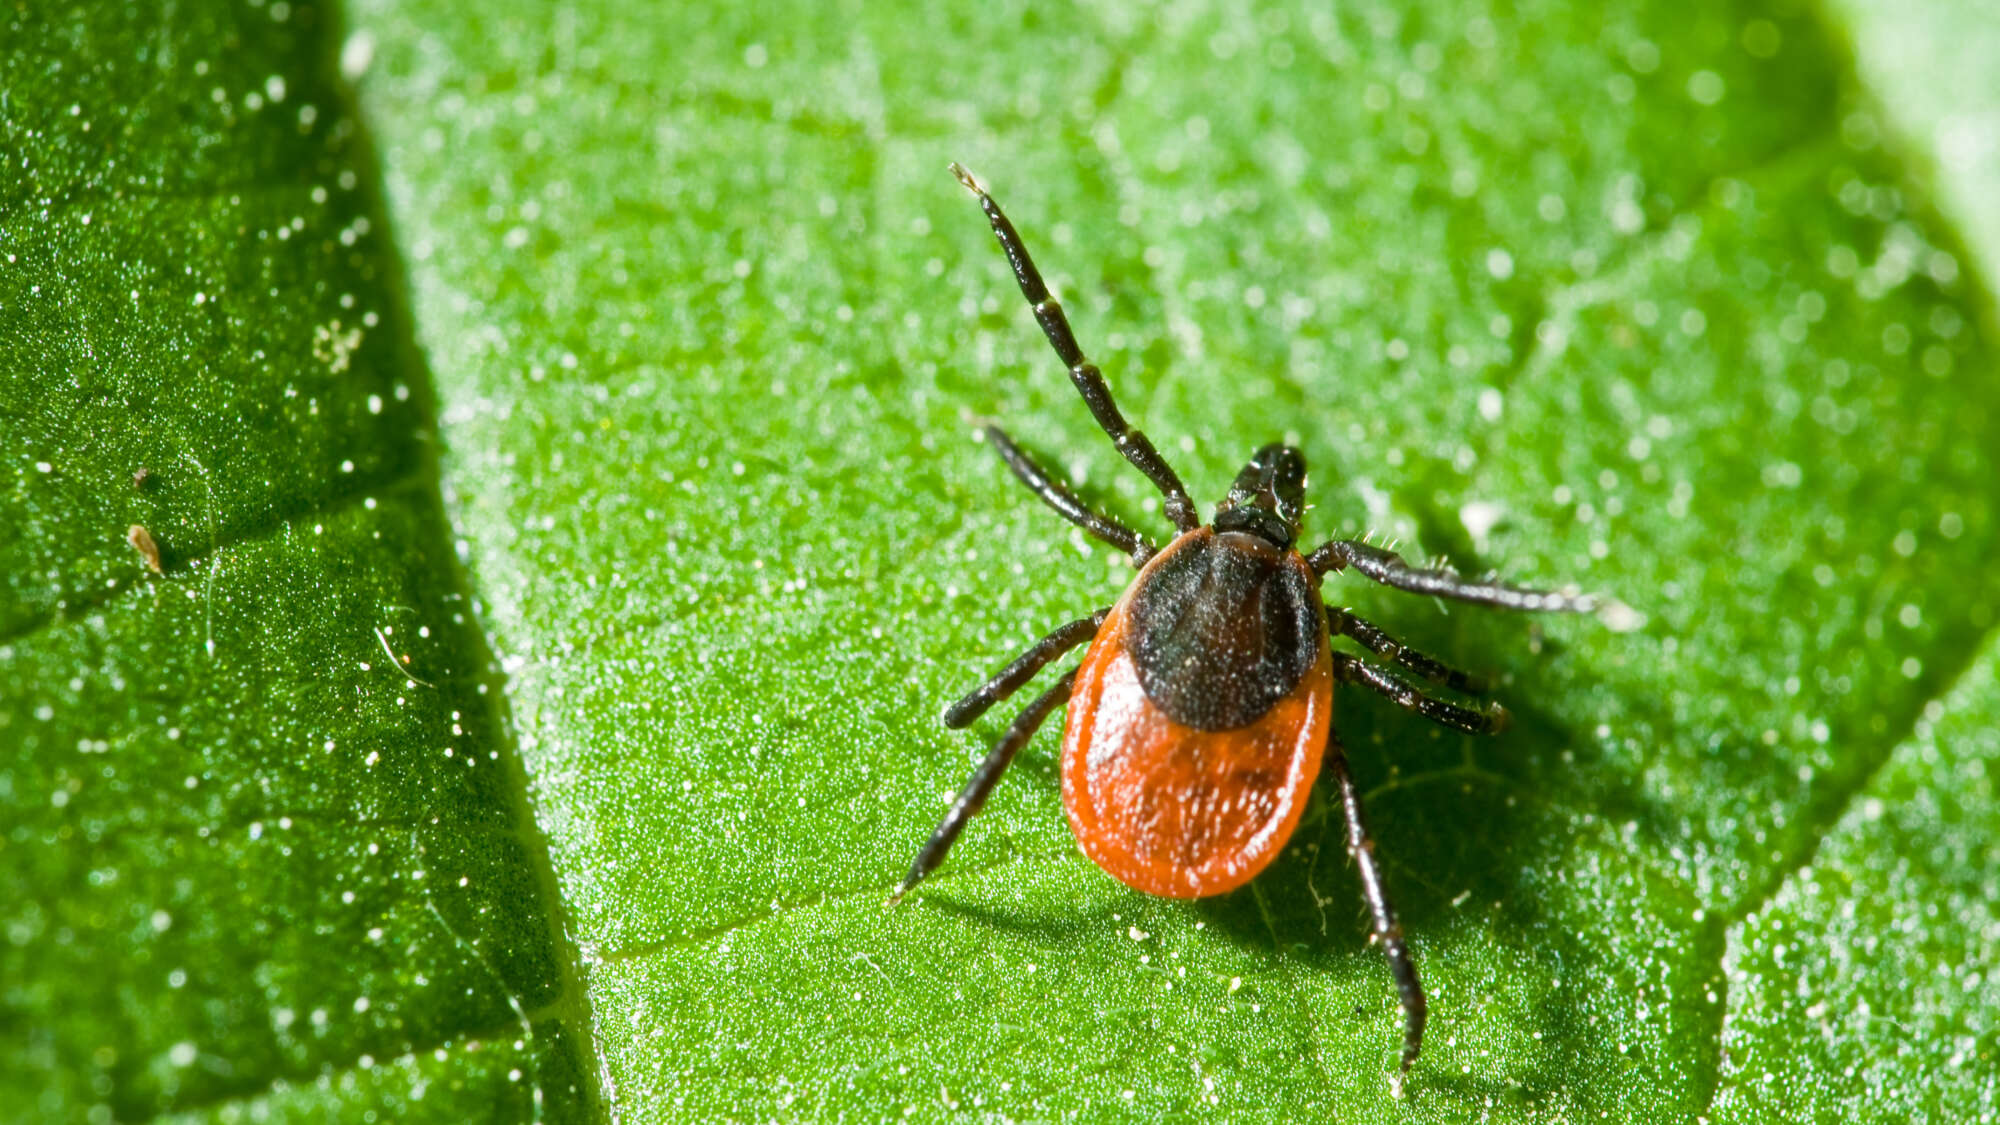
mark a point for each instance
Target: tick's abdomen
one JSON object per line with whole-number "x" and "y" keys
{"x": 1188, "y": 808}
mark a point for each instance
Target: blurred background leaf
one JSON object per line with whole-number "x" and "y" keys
{"x": 1648, "y": 300}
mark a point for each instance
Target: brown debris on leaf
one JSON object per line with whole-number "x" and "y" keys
{"x": 142, "y": 542}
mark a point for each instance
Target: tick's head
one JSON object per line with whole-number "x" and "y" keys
{"x": 1268, "y": 497}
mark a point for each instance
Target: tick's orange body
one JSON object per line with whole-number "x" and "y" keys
{"x": 1172, "y": 809}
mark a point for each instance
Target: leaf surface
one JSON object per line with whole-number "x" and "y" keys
{"x": 1636, "y": 299}
{"x": 696, "y": 335}
{"x": 263, "y": 838}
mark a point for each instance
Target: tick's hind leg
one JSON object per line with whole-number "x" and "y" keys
{"x": 1354, "y": 670}
{"x": 1375, "y": 640}
{"x": 1057, "y": 495}
{"x": 1088, "y": 379}
{"x": 1387, "y": 930}
{"x": 973, "y": 797}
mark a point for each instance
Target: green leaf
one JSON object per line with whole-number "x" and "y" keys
{"x": 1649, "y": 300}
{"x": 1645, "y": 286}
{"x": 1866, "y": 966}
{"x": 251, "y": 867}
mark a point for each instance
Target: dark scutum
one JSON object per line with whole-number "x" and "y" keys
{"x": 1225, "y": 627}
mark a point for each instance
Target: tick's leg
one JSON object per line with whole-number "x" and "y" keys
{"x": 1390, "y": 569}
{"x": 1008, "y": 680}
{"x": 1387, "y": 930}
{"x": 1354, "y": 670}
{"x": 973, "y": 797}
{"x": 1058, "y": 496}
{"x": 1371, "y": 637}
{"x": 1088, "y": 379}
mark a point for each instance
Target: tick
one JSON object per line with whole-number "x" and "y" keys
{"x": 1202, "y": 712}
